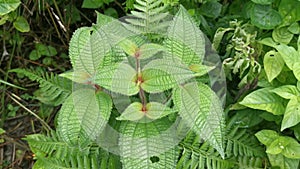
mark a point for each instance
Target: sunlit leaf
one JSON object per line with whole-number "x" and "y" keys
{"x": 6, "y": 6}
{"x": 273, "y": 64}
{"x": 21, "y": 24}
{"x": 292, "y": 113}
{"x": 264, "y": 99}
{"x": 286, "y": 91}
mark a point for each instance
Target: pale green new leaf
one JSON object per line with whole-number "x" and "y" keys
{"x": 83, "y": 116}
{"x": 292, "y": 113}
{"x": 289, "y": 55}
{"x": 273, "y": 64}
{"x": 157, "y": 110}
{"x": 119, "y": 78}
{"x": 264, "y": 99}
{"x": 296, "y": 69}
{"x": 185, "y": 40}
{"x": 286, "y": 91}
{"x": 133, "y": 112}
{"x": 140, "y": 142}
{"x": 266, "y": 137}
{"x": 201, "y": 109}
{"x": 6, "y": 6}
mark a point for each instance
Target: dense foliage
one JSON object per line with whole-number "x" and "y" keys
{"x": 148, "y": 90}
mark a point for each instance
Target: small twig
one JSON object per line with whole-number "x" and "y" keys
{"x": 48, "y": 128}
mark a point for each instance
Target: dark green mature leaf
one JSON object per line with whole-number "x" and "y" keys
{"x": 93, "y": 4}
{"x": 21, "y": 24}
{"x": 6, "y": 6}
{"x": 273, "y": 64}
{"x": 264, "y": 99}
{"x": 83, "y": 116}
{"x": 264, "y": 17}
{"x": 187, "y": 45}
{"x": 211, "y": 9}
{"x": 201, "y": 109}
{"x": 292, "y": 113}
{"x": 289, "y": 10}
{"x": 141, "y": 142}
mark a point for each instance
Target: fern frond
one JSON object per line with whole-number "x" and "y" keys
{"x": 148, "y": 17}
{"x": 242, "y": 150}
{"x": 51, "y": 152}
{"x": 53, "y": 89}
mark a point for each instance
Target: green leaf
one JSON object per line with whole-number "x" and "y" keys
{"x": 269, "y": 42}
{"x": 185, "y": 40}
{"x": 164, "y": 74}
{"x": 103, "y": 19}
{"x": 219, "y": 36}
{"x": 78, "y": 77}
{"x": 282, "y": 162}
{"x": 88, "y": 46}
{"x": 286, "y": 91}
{"x": 21, "y": 24}
{"x": 211, "y": 9}
{"x": 266, "y": 137}
{"x": 282, "y": 35}
{"x": 6, "y": 6}
{"x": 277, "y": 146}
{"x": 289, "y": 55}
{"x": 292, "y": 113}
{"x": 202, "y": 111}
{"x": 289, "y": 10}
{"x": 264, "y": 99}
{"x": 83, "y": 116}
{"x": 294, "y": 28}
{"x": 129, "y": 47}
{"x": 157, "y": 110}
{"x": 296, "y": 70}
{"x": 133, "y": 112}
{"x": 264, "y": 17}
{"x": 292, "y": 149}
{"x": 140, "y": 142}
{"x": 152, "y": 110}
{"x": 34, "y": 55}
{"x": 263, "y": 2}
{"x": 150, "y": 49}
{"x": 119, "y": 78}
{"x": 2, "y": 131}
{"x": 92, "y": 4}
{"x": 45, "y": 50}
{"x": 273, "y": 64}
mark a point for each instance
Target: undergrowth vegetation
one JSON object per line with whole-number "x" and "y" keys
{"x": 150, "y": 84}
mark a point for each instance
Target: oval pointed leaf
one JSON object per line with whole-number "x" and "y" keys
{"x": 264, "y": 17}
{"x": 264, "y": 99}
{"x": 139, "y": 142}
{"x": 185, "y": 40}
{"x": 201, "y": 109}
{"x": 21, "y": 24}
{"x": 266, "y": 137}
{"x": 282, "y": 35}
{"x": 273, "y": 64}
{"x": 133, "y": 112}
{"x": 83, "y": 116}
{"x": 149, "y": 50}
{"x": 296, "y": 70}
{"x": 157, "y": 110}
{"x": 292, "y": 114}
{"x": 286, "y": 91}
{"x": 8, "y": 6}
{"x": 119, "y": 78}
